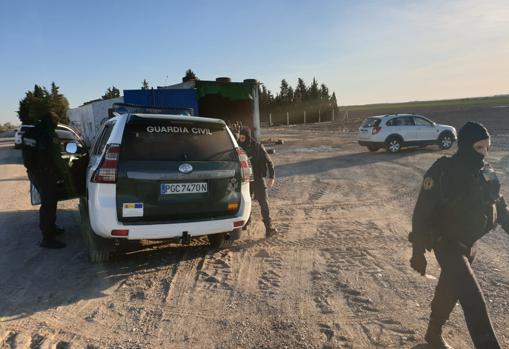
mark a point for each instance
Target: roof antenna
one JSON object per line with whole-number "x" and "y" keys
{"x": 165, "y": 80}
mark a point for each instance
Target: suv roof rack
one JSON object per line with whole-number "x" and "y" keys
{"x": 122, "y": 108}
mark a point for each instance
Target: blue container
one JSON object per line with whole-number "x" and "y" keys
{"x": 163, "y": 98}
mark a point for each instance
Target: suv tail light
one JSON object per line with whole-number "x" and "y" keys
{"x": 246, "y": 171}
{"x": 107, "y": 170}
{"x": 376, "y": 129}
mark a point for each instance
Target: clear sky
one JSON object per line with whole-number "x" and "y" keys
{"x": 365, "y": 51}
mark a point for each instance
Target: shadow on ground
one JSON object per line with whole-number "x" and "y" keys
{"x": 314, "y": 166}
{"x": 36, "y": 279}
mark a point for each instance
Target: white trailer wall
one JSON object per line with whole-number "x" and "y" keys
{"x": 88, "y": 118}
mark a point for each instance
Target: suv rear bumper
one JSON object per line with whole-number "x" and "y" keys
{"x": 103, "y": 219}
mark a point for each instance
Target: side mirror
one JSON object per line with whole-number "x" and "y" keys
{"x": 71, "y": 148}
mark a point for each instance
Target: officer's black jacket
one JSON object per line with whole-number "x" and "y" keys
{"x": 456, "y": 203}
{"x": 260, "y": 160}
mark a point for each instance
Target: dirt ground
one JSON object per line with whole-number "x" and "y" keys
{"x": 337, "y": 276}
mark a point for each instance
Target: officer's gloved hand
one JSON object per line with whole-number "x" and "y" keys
{"x": 492, "y": 183}
{"x": 418, "y": 262}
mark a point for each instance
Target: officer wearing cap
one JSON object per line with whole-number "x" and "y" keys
{"x": 41, "y": 157}
{"x": 262, "y": 166}
{"x": 459, "y": 202}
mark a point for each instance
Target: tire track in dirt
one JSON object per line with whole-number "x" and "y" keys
{"x": 269, "y": 281}
{"x": 346, "y": 254}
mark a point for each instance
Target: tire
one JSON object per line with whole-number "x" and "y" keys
{"x": 445, "y": 141}
{"x": 100, "y": 250}
{"x": 393, "y": 145}
{"x": 372, "y": 148}
{"x": 224, "y": 240}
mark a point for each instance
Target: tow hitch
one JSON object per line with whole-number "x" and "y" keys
{"x": 185, "y": 239}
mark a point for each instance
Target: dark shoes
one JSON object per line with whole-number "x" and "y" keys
{"x": 53, "y": 244}
{"x": 434, "y": 336}
{"x": 58, "y": 231}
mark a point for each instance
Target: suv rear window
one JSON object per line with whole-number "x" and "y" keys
{"x": 371, "y": 122}
{"x": 176, "y": 140}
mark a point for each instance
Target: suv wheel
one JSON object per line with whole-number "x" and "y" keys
{"x": 393, "y": 145}
{"x": 445, "y": 141}
{"x": 372, "y": 148}
{"x": 100, "y": 250}
{"x": 224, "y": 240}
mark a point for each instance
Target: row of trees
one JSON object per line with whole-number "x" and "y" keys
{"x": 6, "y": 127}
{"x": 38, "y": 102}
{"x": 314, "y": 99}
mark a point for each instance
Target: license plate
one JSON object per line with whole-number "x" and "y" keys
{"x": 183, "y": 188}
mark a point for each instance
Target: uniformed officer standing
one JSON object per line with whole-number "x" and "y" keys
{"x": 41, "y": 157}
{"x": 459, "y": 202}
{"x": 262, "y": 165}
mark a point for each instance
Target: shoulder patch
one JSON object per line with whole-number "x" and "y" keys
{"x": 428, "y": 183}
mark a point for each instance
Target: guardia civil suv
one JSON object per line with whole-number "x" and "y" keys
{"x": 156, "y": 177}
{"x": 395, "y": 131}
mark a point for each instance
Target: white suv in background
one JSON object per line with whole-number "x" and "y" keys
{"x": 395, "y": 131}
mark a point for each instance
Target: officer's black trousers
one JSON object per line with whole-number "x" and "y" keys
{"x": 457, "y": 282}
{"x": 259, "y": 191}
{"x": 47, "y": 186}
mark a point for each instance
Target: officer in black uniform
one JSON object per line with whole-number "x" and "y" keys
{"x": 41, "y": 157}
{"x": 262, "y": 165}
{"x": 459, "y": 202}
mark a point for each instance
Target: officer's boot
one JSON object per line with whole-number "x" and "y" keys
{"x": 270, "y": 230}
{"x": 434, "y": 335}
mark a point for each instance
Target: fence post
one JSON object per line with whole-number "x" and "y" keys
{"x": 270, "y": 119}
{"x": 287, "y": 118}
{"x": 304, "y": 117}
{"x": 332, "y": 114}
{"x": 319, "y": 116}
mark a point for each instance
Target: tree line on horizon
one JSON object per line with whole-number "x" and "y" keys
{"x": 315, "y": 100}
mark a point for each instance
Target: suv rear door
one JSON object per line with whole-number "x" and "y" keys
{"x": 174, "y": 170}
{"x": 366, "y": 129}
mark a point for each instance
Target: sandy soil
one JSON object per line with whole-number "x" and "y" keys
{"x": 336, "y": 277}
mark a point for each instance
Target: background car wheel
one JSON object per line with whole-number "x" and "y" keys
{"x": 372, "y": 148}
{"x": 445, "y": 141}
{"x": 394, "y": 145}
{"x": 100, "y": 250}
{"x": 224, "y": 240}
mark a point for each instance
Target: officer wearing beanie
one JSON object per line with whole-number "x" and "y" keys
{"x": 459, "y": 202}
{"x": 262, "y": 166}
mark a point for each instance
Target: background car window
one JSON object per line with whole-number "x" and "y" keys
{"x": 371, "y": 122}
{"x": 407, "y": 121}
{"x": 394, "y": 122}
{"x": 65, "y": 135}
{"x": 422, "y": 122}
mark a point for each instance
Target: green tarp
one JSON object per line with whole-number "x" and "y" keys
{"x": 232, "y": 91}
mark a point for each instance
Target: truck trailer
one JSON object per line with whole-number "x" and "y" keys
{"x": 234, "y": 102}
